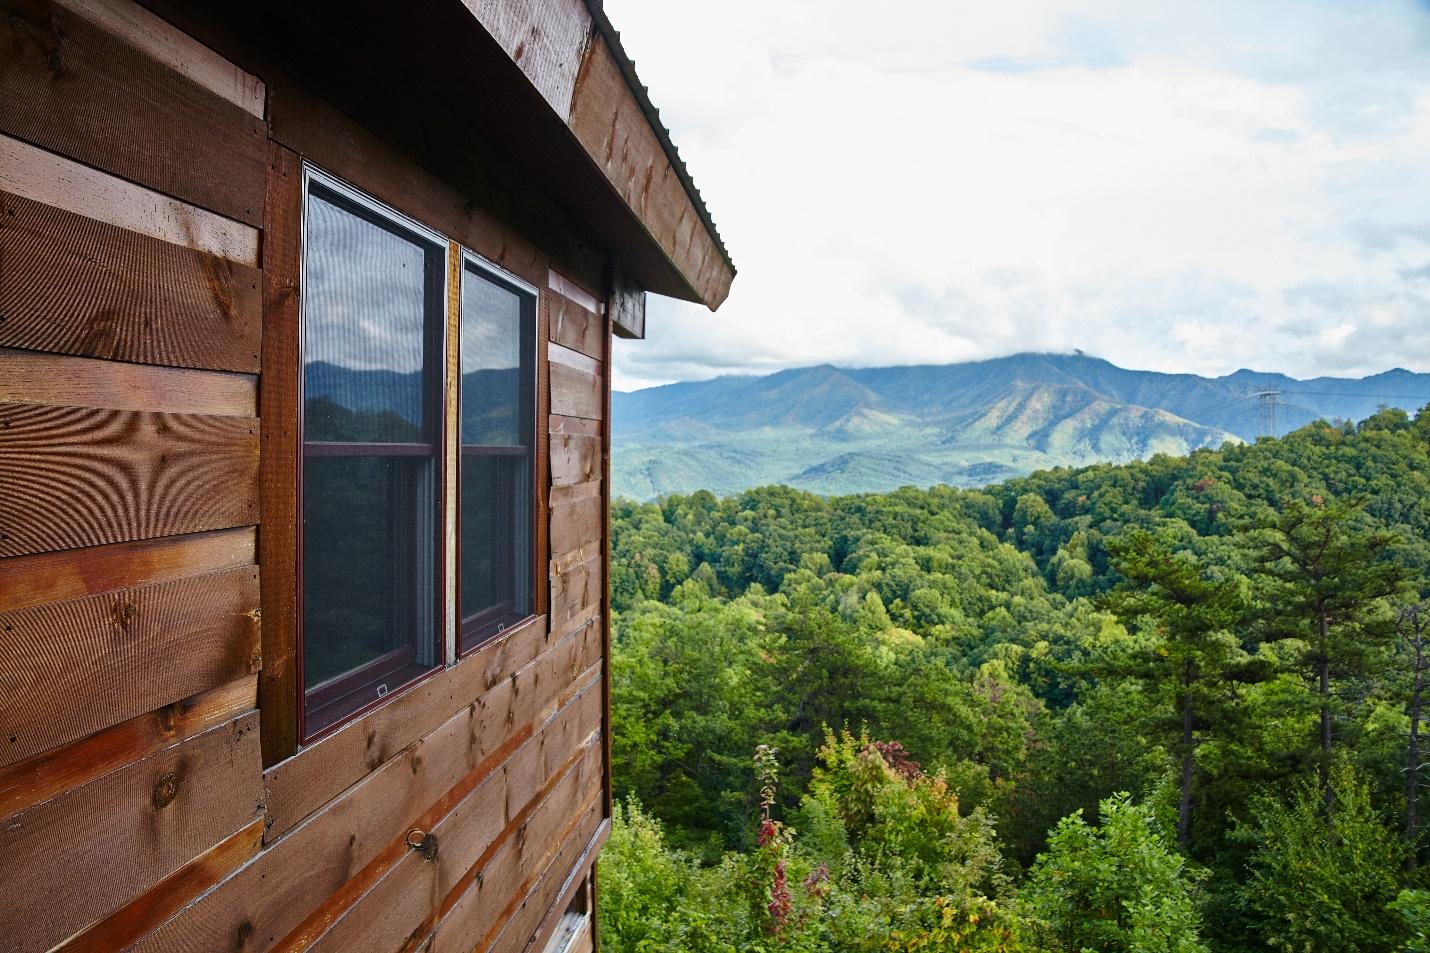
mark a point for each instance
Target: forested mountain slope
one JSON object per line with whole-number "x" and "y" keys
{"x": 1101, "y": 708}
{"x": 840, "y": 430}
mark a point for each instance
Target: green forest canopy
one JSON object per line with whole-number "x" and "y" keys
{"x": 1159, "y": 706}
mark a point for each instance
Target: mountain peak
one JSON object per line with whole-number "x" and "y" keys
{"x": 832, "y": 429}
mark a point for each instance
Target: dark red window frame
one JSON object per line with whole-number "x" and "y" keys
{"x": 321, "y": 709}
{"x": 479, "y": 628}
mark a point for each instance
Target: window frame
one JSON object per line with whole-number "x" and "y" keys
{"x": 434, "y": 397}
{"x": 530, "y": 297}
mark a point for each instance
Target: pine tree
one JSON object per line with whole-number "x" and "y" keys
{"x": 1324, "y": 581}
{"x": 1194, "y": 654}
{"x": 1414, "y": 628}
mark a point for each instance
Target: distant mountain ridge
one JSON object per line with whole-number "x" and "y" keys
{"x": 839, "y": 430}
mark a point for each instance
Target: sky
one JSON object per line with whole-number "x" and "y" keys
{"x": 1180, "y": 186}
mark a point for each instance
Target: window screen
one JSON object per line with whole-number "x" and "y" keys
{"x": 373, "y": 318}
{"x": 495, "y": 471}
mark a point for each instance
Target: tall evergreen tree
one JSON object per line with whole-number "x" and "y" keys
{"x": 1324, "y": 581}
{"x": 1194, "y": 653}
{"x": 1414, "y": 628}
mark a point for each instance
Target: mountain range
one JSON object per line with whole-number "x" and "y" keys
{"x": 842, "y": 430}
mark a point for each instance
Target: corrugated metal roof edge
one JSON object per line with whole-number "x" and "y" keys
{"x": 628, "y": 69}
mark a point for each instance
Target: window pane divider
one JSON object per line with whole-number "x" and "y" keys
{"x": 343, "y": 448}
{"x": 493, "y": 450}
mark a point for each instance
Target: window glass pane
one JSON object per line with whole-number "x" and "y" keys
{"x": 373, "y": 300}
{"x": 495, "y": 541}
{"x": 368, "y": 592}
{"x": 495, "y": 535}
{"x": 365, "y": 286}
{"x": 491, "y": 362}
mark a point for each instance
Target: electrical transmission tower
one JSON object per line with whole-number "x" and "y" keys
{"x": 1270, "y": 400}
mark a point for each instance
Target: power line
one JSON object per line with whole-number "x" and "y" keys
{"x": 1218, "y": 405}
{"x": 1342, "y": 393}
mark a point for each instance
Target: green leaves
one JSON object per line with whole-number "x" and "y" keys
{"x": 1161, "y": 628}
{"x": 1115, "y": 888}
{"x": 1318, "y": 884}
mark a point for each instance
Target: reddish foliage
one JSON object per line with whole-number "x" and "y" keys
{"x": 817, "y": 883}
{"x": 897, "y": 758}
{"x": 779, "y": 899}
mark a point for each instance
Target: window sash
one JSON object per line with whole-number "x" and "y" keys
{"x": 478, "y": 627}
{"x": 337, "y": 700}
{"x": 512, "y": 523}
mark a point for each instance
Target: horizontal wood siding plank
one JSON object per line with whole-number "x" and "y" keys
{"x": 572, "y": 291}
{"x": 317, "y": 774}
{"x": 576, "y": 327}
{"x": 578, "y": 932}
{"x": 540, "y": 884}
{"x": 575, "y": 524}
{"x": 494, "y": 862}
{"x": 27, "y": 377}
{"x": 399, "y": 907}
{"x": 563, "y": 562}
{"x": 77, "y": 476}
{"x": 74, "y": 573}
{"x": 565, "y": 356}
{"x": 50, "y": 774}
{"x": 169, "y": 895}
{"x": 576, "y": 393}
{"x": 37, "y": 175}
{"x": 475, "y": 829}
{"x": 576, "y": 426}
{"x": 298, "y": 874}
{"x": 93, "y": 849}
{"x": 75, "y": 285}
{"x": 575, "y": 595}
{"x": 175, "y": 49}
{"x": 70, "y": 669}
{"x": 323, "y": 773}
{"x": 575, "y": 458}
{"x": 73, "y": 88}
{"x": 574, "y": 493}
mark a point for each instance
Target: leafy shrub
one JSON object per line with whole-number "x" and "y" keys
{"x": 1115, "y": 888}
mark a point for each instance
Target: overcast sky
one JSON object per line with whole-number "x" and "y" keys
{"x": 1173, "y": 186}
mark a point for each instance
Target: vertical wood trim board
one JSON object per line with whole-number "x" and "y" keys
{"x": 278, "y": 689}
{"x": 452, "y": 362}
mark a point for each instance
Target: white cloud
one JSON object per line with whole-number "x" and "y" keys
{"x": 936, "y": 181}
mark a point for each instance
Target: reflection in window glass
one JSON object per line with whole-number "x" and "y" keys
{"x": 365, "y": 335}
{"x": 497, "y": 414}
{"x": 373, "y": 297}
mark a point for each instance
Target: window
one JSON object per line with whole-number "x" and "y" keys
{"x": 498, "y": 380}
{"x": 373, "y": 302}
{"x": 417, "y": 537}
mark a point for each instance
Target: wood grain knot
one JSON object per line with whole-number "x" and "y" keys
{"x": 165, "y": 790}
{"x": 125, "y": 612}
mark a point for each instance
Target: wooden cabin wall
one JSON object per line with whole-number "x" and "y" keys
{"x": 152, "y": 794}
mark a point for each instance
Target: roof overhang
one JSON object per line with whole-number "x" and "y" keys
{"x": 546, "y": 86}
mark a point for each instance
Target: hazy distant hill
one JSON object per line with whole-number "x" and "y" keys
{"x": 840, "y": 430}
